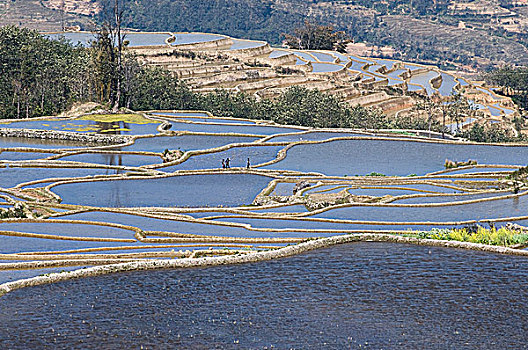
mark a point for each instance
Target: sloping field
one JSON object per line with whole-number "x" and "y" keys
{"x": 32, "y": 14}
{"x": 428, "y": 36}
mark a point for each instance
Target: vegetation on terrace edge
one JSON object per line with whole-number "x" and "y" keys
{"x": 519, "y": 178}
{"x": 40, "y": 77}
{"x": 503, "y": 236}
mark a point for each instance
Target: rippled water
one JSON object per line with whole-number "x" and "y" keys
{"x": 278, "y": 53}
{"x": 305, "y": 56}
{"x": 227, "y": 128}
{"x": 23, "y": 155}
{"x": 326, "y": 67}
{"x": 323, "y": 57}
{"x": 424, "y": 79}
{"x": 192, "y": 38}
{"x": 152, "y": 224}
{"x": 87, "y": 126}
{"x": 67, "y": 230}
{"x": 382, "y": 295}
{"x": 313, "y": 136}
{"x": 13, "y": 275}
{"x": 448, "y": 84}
{"x": 396, "y": 74}
{"x": 245, "y": 44}
{"x": 12, "y": 244}
{"x": 357, "y": 65}
{"x": 477, "y": 211}
{"x": 389, "y": 64}
{"x": 377, "y": 295}
{"x": 204, "y": 118}
{"x": 134, "y": 39}
{"x": 11, "y": 142}
{"x": 113, "y": 159}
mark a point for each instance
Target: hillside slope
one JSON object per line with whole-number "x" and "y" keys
{"x": 471, "y": 35}
{"x": 474, "y": 36}
{"x": 33, "y": 14}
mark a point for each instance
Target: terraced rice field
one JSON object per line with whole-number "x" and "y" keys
{"x": 101, "y": 194}
{"x": 255, "y": 67}
{"x": 273, "y": 303}
{"x": 165, "y": 194}
{"x": 140, "y": 196}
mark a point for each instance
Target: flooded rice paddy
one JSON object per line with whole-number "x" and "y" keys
{"x": 140, "y": 39}
{"x": 173, "y": 191}
{"x": 124, "y": 125}
{"x": 401, "y": 158}
{"x": 245, "y": 44}
{"x": 373, "y": 295}
{"x": 169, "y": 195}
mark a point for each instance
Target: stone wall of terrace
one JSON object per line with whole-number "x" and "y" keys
{"x": 64, "y": 136}
{"x": 204, "y": 70}
{"x": 264, "y": 49}
{"x": 370, "y": 99}
{"x": 282, "y": 60}
{"x": 230, "y": 77}
{"x": 395, "y": 104}
{"x": 208, "y": 45}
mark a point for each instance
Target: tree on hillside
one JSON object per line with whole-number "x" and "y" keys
{"x": 514, "y": 80}
{"x": 39, "y": 76}
{"x": 109, "y": 53}
{"x": 315, "y": 37}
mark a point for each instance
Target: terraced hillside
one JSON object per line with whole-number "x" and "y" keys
{"x": 209, "y": 61}
{"x": 421, "y": 31}
{"x": 87, "y": 193}
{"x": 33, "y": 14}
{"x": 467, "y": 35}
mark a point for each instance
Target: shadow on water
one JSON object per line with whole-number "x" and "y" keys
{"x": 112, "y": 128}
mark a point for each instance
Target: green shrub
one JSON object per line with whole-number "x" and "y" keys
{"x": 493, "y": 236}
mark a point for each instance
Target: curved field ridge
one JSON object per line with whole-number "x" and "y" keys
{"x": 168, "y": 194}
{"x": 247, "y": 258}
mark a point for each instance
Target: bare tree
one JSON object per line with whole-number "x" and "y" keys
{"x": 110, "y": 46}
{"x": 62, "y": 15}
{"x": 117, "y": 16}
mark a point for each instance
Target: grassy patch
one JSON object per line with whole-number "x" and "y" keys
{"x": 500, "y": 237}
{"x": 127, "y": 118}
